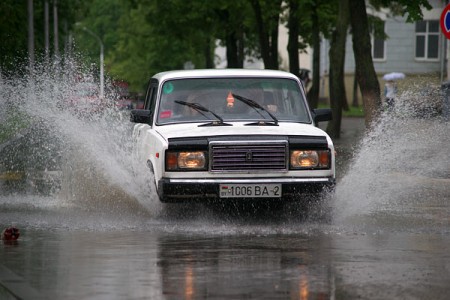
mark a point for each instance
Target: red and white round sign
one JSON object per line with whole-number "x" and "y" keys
{"x": 445, "y": 21}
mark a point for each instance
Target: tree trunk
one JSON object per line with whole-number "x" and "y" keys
{"x": 233, "y": 42}
{"x": 268, "y": 34}
{"x": 209, "y": 54}
{"x": 240, "y": 48}
{"x": 338, "y": 98}
{"x": 292, "y": 47}
{"x": 30, "y": 36}
{"x": 274, "y": 41}
{"x": 232, "y": 51}
{"x": 365, "y": 71}
{"x": 313, "y": 94}
{"x": 355, "y": 102}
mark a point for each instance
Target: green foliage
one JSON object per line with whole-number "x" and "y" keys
{"x": 14, "y": 30}
{"x": 101, "y": 18}
{"x": 411, "y": 8}
{"x": 352, "y": 112}
{"x": 376, "y": 27}
{"x": 13, "y": 21}
{"x": 130, "y": 57}
{"x": 326, "y": 10}
{"x": 142, "y": 37}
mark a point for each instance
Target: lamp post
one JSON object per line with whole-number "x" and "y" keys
{"x": 102, "y": 81}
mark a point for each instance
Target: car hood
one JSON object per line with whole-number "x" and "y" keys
{"x": 193, "y": 130}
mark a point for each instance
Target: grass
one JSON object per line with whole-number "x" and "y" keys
{"x": 353, "y": 112}
{"x": 357, "y": 112}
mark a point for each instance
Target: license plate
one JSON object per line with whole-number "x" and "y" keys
{"x": 250, "y": 190}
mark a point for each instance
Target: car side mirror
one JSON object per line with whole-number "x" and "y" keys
{"x": 140, "y": 116}
{"x": 322, "y": 115}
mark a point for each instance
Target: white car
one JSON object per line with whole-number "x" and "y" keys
{"x": 232, "y": 134}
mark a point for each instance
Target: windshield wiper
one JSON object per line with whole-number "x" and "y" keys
{"x": 201, "y": 109}
{"x": 255, "y": 105}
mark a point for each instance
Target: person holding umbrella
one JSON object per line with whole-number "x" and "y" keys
{"x": 390, "y": 87}
{"x": 390, "y": 90}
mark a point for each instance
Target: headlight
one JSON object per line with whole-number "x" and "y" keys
{"x": 189, "y": 160}
{"x": 310, "y": 159}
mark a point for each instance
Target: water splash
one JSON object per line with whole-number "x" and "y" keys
{"x": 88, "y": 150}
{"x": 402, "y": 164}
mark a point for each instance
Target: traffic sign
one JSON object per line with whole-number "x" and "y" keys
{"x": 445, "y": 21}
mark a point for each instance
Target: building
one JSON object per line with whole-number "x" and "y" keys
{"x": 416, "y": 49}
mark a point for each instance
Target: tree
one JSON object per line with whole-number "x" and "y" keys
{"x": 155, "y": 35}
{"x": 365, "y": 71}
{"x": 293, "y": 46}
{"x": 267, "y": 17}
{"x": 131, "y": 56}
{"x": 230, "y": 30}
{"x": 13, "y": 31}
{"x": 234, "y": 40}
{"x": 13, "y": 24}
{"x": 189, "y": 34}
{"x": 313, "y": 93}
{"x": 338, "y": 99}
{"x": 101, "y": 18}
{"x": 150, "y": 41}
{"x": 317, "y": 19}
{"x": 411, "y": 8}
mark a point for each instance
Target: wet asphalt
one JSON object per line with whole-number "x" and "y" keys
{"x": 386, "y": 236}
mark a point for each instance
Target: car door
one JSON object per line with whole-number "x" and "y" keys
{"x": 141, "y": 130}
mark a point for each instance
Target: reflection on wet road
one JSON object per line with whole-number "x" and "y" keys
{"x": 203, "y": 260}
{"x": 70, "y": 253}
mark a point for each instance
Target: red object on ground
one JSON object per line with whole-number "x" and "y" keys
{"x": 10, "y": 234}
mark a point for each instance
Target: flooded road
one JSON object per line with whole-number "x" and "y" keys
{"x": 96, "y": 232}
{"x": 388, "y": 238}
{"x": 69, "y": 254}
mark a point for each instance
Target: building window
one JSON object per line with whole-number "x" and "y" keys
{"x": 427, "y": 40}
{"x": 378, "y": 41}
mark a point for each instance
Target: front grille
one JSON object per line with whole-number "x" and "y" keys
{"x": 247, "y": 156}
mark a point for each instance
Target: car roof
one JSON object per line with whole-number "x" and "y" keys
{"x": 202, "y": 73}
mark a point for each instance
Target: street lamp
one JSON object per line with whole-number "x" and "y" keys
{"x": 102, "y": 81}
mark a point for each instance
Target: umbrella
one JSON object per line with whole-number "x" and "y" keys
{"x": 393, "y": 76}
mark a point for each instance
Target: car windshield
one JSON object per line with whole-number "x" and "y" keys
{"x": 228, "y": 98}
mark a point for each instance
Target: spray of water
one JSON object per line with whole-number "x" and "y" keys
{"x": 402, "y": 164}
{"x": 86, "y": 147}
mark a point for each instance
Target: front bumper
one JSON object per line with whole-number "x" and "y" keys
{"x": 185, "y": 190}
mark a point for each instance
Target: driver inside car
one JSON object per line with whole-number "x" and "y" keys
{"x": 263, "y": 98}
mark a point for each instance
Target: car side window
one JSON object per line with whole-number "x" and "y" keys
{"x": 150, "y": 96}
{"x": 147, "y": 96}
{"x": 153, "y": 97}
